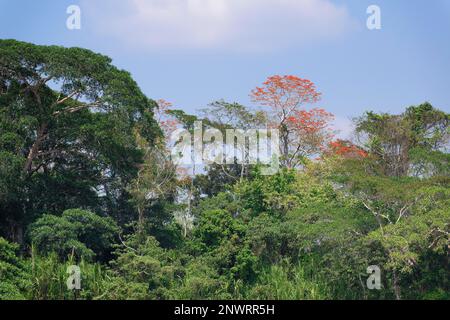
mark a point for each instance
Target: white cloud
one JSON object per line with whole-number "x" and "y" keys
{"x": 237, "y": 25}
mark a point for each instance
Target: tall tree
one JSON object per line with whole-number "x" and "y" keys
{"x": 67, "y": 115}
{"x": 233, "y": 117}
{"x": 302, "y": 132}
{"x": 395, "y": 140}
{"x": 155, "y": 181}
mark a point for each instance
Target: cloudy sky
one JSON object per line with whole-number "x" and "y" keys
{"x": 192, "y": 52}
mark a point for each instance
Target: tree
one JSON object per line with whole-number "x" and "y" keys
{"x": 228, "y": 117}
{"x": 408, "y": 245}
{"x": 345, "y": 149}
{"x": 405, "y": 209}
{"x": 309, "y": 134}
{"x": 143, "y": 270}
{"x": 67, "y": 117}
{"x": 395, "y": 139}
{"x": 80, "y": 233}
{"x": 302, "y": 132}
{"x": 218, "y": 178}
{"x": 225, "y": 115}
{"x": 167, "y": 122}
{"x": 155, "y": 181}
{"x": 14, "y": 276}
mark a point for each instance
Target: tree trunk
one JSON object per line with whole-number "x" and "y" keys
{"x": 16, "y": 232}
{"x": 185, "y": 228}
{"x": 396, "y": 286}
{"x": 285, "y": 145}
{"x": 41, "y": 134}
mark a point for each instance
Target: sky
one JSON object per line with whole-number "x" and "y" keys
{"x": 193, "y": 52}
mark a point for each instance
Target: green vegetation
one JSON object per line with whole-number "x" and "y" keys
{"x": 86, "y": 179}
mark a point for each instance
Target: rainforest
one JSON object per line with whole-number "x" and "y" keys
{"x": 88, "y": 179}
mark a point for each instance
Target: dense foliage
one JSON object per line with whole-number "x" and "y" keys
{"x": 86, "y": 179}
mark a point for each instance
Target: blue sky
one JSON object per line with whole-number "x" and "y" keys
{"x": 192, "y": 52}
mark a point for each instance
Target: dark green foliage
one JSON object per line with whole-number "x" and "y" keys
{"x": 14, "y": 276}
{"x": 68, "y": 119}
{"x": 143, "y": 270}
{"x": 77, "y": 232}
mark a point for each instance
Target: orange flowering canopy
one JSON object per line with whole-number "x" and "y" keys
{"x": 167, "y": 123}
{"x": 303, "y": 133}
{"x": 285, "y": 94}
{"x": 346, "y": 149}
{"x": 311, "y": 121}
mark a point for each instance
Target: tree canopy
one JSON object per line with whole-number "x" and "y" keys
{"x": 87, "y": 179}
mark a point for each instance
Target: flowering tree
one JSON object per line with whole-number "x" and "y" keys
{"x": 303, "y": 133}
{"x": 346, "y": 149}
{"x": 166, "y": 121}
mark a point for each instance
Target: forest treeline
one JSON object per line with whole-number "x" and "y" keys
{"x": 86, "y": 179}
